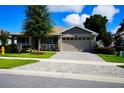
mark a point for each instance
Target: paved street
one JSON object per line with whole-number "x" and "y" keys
{"x": 25, "y": 81}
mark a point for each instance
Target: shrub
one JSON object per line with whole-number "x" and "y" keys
{"x": 119, "y": 48}
{"x": 25, "y": 48}
{"x": 37, "y": 53}
{"x": 104, "y": 50}
{"x": 10, "y": 48}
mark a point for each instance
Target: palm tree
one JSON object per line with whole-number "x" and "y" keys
{"x": 4, "y": 35}
{"x": 37, "y": 23}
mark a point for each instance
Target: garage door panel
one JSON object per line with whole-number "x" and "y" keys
{"x": 75, "y": 45}
{"x": 69, "y": 45}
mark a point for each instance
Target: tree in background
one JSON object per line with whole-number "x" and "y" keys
{"x": 118, "y": 38}
{"x": 98, "y": 23}
{"x": 121, "y": 29}
{"x": 108, "y": 39}
{"x": 37, "y": 23}
{"x": 4, "y": 35}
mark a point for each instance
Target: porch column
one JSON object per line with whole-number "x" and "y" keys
{"x": 39, "y": 44}
{"x": 15, "y": 40}
{"x": 30, "y": 40}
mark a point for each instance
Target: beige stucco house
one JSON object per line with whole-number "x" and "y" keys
{"x": 72, "y": 39}
{"x": 77, "y": 39}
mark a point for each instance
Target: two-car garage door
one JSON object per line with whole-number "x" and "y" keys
{"x": 76, "y": 44}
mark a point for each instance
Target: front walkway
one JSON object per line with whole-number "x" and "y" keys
{"x": 82, "y": 56}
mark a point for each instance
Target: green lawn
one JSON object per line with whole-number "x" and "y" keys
{"x": 10, "y": 63}
{"x": 29, "y": 55}
{"x": 122, "y": 66}
{"x": 112, "y": 58}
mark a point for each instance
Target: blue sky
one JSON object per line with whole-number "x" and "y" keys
{"x": 12, "y": 17}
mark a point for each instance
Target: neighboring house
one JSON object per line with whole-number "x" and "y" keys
{"x": 122, "y": 36}
{"x": 73, "y": 39}
{"x": 100, "y": 43}
{"x": 113, "y": 42}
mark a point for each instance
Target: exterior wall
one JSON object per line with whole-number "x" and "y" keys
{"x": 9, "y": 42}
{"x": 93, "y": 44}
{"x": 76, "y": 35}
{"x": 59, "y": 43}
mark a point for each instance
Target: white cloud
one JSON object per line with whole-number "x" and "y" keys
{"x": 106, "y": 10}
{"x": 76, "y": 19}
{"x": 66, "y": 8}
{"x": 115, "y": 29}
{"x": 73, "y": 19}
{"x": 83, "y": 17}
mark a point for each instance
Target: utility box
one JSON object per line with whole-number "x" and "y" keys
{"x": 121, "y": 53}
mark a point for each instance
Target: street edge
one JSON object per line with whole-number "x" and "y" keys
{"x": 65, "y": 75}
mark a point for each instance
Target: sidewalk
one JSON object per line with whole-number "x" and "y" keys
{"x": 83, "y": 69}
{"x": 66, "y": 61}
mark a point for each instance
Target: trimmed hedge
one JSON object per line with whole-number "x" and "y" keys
{"x": 37, "y": 53}
{"x": 119, "y": 48}
{"x": 104, "y": 50}
{"x": 25, "y": 48}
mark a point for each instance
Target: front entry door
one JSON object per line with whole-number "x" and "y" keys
{"x": 36, "y": 44}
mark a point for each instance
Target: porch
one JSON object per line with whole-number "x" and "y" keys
{"x": 49, "y": 47}
{"x": 48, "y": 44}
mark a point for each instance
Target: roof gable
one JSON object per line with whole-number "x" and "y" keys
{"x": 78, "y": 30}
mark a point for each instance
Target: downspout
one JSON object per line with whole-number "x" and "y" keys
{"x": 90, "y": 42}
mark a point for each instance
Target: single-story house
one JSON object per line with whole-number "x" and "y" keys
{"x": 72, "y": 39}
{"x": 118, "y": 34}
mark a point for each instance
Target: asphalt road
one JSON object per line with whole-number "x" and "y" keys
{"x": 25, "y": 81}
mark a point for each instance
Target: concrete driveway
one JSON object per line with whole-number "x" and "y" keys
{"x": 77, "y": 56}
